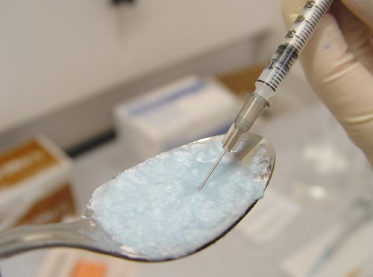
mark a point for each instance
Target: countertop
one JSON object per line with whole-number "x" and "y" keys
{"x": 234, "y": 255}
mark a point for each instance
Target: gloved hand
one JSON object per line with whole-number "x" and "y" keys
{"x": 338, "y": 63}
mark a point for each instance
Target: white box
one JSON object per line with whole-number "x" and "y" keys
{"x": 184, "y": 111}
{"x": 35, "y": 184}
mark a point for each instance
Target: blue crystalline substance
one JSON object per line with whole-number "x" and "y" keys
{"x": 156, "y": 210}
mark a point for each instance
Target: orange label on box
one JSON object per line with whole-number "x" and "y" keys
{"x": 50, "y": 209}
{"x": 22, "y": 162}
{"x": 89, "y": 269}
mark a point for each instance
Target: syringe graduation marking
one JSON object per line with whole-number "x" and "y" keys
{"x": 295, "y": 40}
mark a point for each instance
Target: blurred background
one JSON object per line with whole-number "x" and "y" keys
{"x": 90, "y": 88}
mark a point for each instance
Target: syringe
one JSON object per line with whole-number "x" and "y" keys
{"x": 273, "y": 74}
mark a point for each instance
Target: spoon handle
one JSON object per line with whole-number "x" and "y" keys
{"x": 31, "y": 237}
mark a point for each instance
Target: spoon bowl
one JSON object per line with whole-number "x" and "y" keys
{"x": 86, "y": 233}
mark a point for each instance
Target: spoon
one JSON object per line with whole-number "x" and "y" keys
{"x": 87, "y": 234}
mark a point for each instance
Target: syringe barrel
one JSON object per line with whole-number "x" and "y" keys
{"x": 292, "y": 45}
{"x": 250, "y": 111}
{"x": 276, "y": 70}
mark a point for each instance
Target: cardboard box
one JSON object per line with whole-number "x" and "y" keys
{"x": 176, "y": 114}
{"x": 35, "y": 184}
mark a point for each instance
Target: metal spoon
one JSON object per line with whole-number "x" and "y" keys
{"x": 86, "y": 234}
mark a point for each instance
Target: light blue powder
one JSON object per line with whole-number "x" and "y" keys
{"x": 156, "y": 210}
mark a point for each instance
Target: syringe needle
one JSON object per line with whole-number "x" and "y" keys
{"x": 212, "y": 170}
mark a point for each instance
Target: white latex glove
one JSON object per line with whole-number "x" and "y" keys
{"x": 338, "y": 63}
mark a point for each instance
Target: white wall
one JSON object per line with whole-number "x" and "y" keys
{"x": 58, "y": 53}
{"x": 90, "y": 118}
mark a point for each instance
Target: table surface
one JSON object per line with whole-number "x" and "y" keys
{"x": 234, "y": 255}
